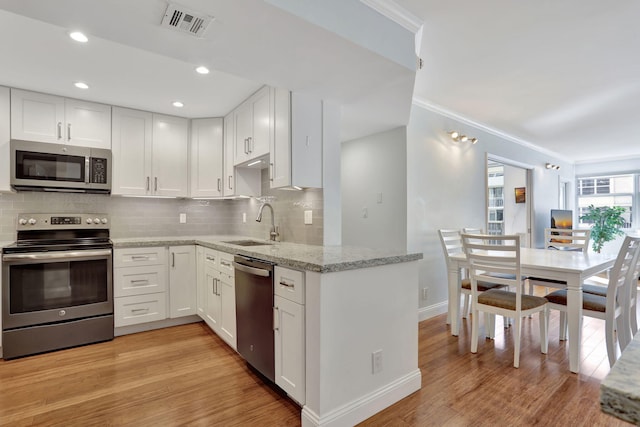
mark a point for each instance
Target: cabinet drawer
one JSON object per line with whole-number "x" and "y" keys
{"x": 211, "y": 258}
{"x": 225, "y": 264}
{"x": 139, "y": 309}
{"x": 139, "y": 256}
{"x": 289, "y": 284}
{"x": 139, "y": 280}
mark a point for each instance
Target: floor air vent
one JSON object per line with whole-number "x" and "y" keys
{"x": 187, "y": 21}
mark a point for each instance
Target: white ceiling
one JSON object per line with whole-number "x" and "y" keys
{"x": 561, "y": 75}
{"x": 132, "y": 61}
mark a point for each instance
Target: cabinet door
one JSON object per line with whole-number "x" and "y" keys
{"x": 280, "y": 151}
{"x": 131, "y": 151}
{"x": 229, "y": 145}
{"x": 213, "y": 301}
{"x": 37, "y": 117}
{"x": 182, "y": 281}
{"x": 5, "y": 136}
{"x": 227, "y": 291}
{"x": 206, "y": 158}
{"x": 87, "y": 124}
{"x": 261, "y": 123}
{"x": 201, "y": 288}
{"x": 306, "y": 140}
{"x": 170, "y": 156}
{"x": 243, "y": 124}
{"x": 289, "y": 347}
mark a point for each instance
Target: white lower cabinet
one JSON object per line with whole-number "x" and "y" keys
{"x": 182, "y": 281}
{"x": 289, "y": 332}
{"x": 217, "y": 294}
{"x": 153, "y": 284}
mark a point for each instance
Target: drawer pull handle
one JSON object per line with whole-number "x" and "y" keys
{"x": 140, "y": 281}
{"x": 226, "y": 264}
{"x": 288, "y": 285}
{"x": 139, "y": 310}
{"x": 139, "y": 257}
{"x": 210, "y": 258}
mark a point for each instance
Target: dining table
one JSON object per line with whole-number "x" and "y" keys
{"x": 571, "y": 267}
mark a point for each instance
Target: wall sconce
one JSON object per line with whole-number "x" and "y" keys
{"x": 457, "y": 137}
{"x": 550, "y": 166}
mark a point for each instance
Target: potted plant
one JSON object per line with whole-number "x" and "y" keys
{"x": 607, "y": 223}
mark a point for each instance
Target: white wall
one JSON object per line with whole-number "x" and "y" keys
{"x": 374, "y": 178}
{"x": 446, "y": 189}
{"x": 515, "y": 214}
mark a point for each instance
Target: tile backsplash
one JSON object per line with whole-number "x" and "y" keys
{"x": 148, "y": 217}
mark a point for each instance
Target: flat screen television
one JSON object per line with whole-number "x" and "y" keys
{"x": 561, "y": 218}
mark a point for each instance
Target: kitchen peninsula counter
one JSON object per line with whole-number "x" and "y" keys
{"x": 358, "y": 303}
{"x": 620, "y": 390}
{"x": 321, "y": 259}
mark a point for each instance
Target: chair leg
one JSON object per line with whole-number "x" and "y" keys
{"x": 465, "y": 309}
{"x": 475, "y": 318}
{"x": 516, "y": 342}
{"x": 544, "y": 330}
{"x": 490, "y": 325}
{"x": 563, "y": 326}
{"x": 609, "y": 325}
{"x": 623, "y": 330}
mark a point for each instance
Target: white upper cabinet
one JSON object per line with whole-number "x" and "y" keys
{"x": 5, "y": 136}
{"x": 131, "y": 152}
{"x": 170, "y": 157}
{"x": 229, "y": 144}
{"x": 150, "y": 154}
{"x": 47, "y": 118}
{"x": 207, "y": 179}
{"x": 253, "y": 121}
{"x": 296, "y": 149}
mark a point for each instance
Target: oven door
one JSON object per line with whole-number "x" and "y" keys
{"x": 55, "y": 286}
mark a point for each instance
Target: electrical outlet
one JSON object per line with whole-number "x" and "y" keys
{"x": 183, "y": 218}
{"x": 308, "y": 217}
{"x": 244, "y": 217}
{"x": 376, "y": 362}
{"x": 425, "y": 293}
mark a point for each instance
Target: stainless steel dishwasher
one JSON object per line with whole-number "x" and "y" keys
{"x": 254, "y": 313}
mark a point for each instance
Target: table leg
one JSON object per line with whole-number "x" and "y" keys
{"x": 453, "y": 315}
{"x": 574, "y": 317}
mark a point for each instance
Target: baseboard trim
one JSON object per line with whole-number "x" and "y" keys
{"x": 428, "y": 312}
{"x": 367, "y": 406}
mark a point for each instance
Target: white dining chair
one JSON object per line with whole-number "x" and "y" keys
{"x": 452, "y": 244}
{"x": 610, "y": 307}
{"x": 561, "y": 239}
{"x": 497, "y": 258}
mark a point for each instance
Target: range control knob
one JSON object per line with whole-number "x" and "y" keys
{"x": 89, "y": 221}
{"x": 32, "y": 221}
{"x": 104, "y": 220}
{"x": 22, "y": 221}
{"x": 96, "y": 221}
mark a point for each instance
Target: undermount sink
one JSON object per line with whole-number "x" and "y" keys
{"x": 248, "y": 243}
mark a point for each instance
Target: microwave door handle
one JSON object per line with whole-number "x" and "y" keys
{"x": 87, "y": 164}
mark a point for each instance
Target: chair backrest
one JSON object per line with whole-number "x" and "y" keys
{"x": 494, "y": 259}
{"x": 471, "y": 230}
{"x": 622, "y": 277}
{"x": 451, "y": 242}
{"x": 567, "y": 238}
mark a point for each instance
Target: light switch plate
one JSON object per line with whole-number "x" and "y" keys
{"x": 308, "y": 217}
{"x": 183, "y": 218}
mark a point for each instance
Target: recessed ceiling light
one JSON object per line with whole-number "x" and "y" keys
{"x": 202, "y": 70}
{"x": 81, "y": 85}
{"x": 178, "y": 104}
{"x": 78, "y": 36}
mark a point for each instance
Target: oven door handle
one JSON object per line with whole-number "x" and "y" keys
{"x": 56, "y": 255}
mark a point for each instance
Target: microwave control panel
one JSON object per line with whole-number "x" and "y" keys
{"x": 98, "y": 170}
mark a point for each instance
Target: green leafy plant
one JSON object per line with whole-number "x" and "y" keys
{"x": 607, "y": 223}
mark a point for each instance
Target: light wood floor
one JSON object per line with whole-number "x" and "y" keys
{"x": 187, "y": 376}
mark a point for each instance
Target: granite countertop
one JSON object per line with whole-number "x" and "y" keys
{"x": 322, "y": 259}
{"x": 620, "y": 390}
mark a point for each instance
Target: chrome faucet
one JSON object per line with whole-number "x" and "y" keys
{"x": 273, "y": 234}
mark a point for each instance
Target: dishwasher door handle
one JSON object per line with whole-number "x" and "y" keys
{"x": 252, "y": 270}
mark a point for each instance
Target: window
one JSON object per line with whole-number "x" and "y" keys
{"x": 607, "y": 191}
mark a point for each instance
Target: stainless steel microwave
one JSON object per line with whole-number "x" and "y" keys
{"x": 40, "y": 166}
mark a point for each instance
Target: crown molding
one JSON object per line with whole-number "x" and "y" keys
{"x": 396, "y": 13}
{"x": 427, "y": 105}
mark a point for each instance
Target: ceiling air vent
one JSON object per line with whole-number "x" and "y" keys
{"x": 187, "y": 21}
